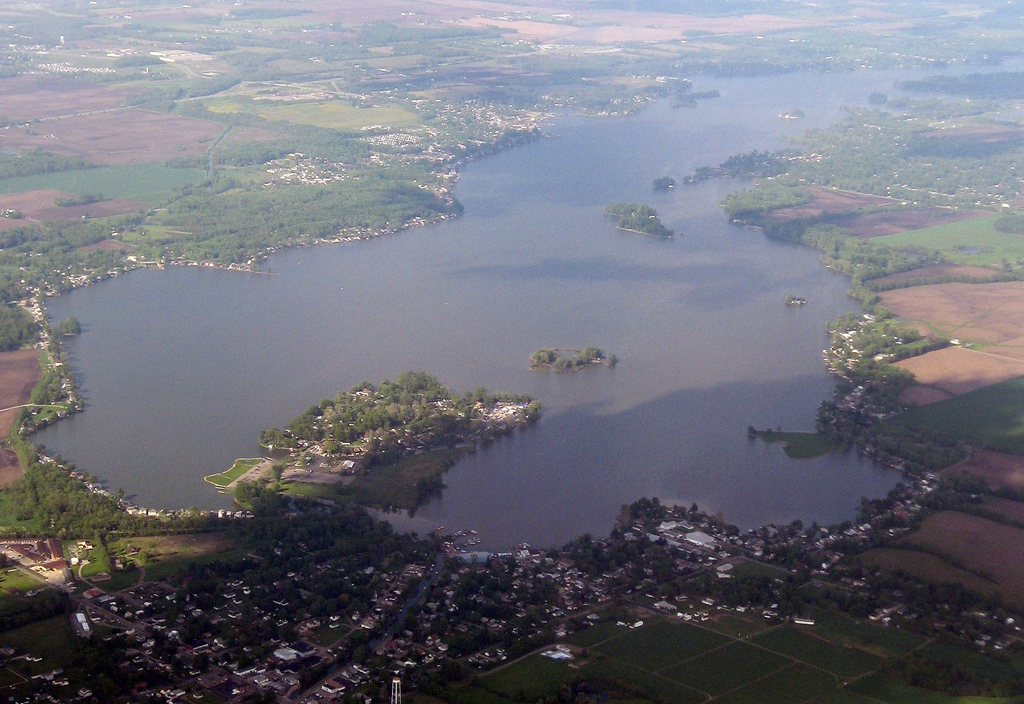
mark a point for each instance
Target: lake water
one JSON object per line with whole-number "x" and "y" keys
{"x": 180, "y": 369}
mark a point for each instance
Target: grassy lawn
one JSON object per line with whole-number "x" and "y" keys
{"x": 240, "y": 467}
{"x": 532, "y": 678}
{"x": 793, "y": 642}
{"x": 53, "y": 640}
{"x": 886, "y": 689}
{"x": 642, "y": 682}
{"x": 149, "y": 183}
{"x": 593, "y": 635}
{"x": 991, "y": 418}
{"x": 876, "y": 639}
{"x": 802, "y": 445}
{"x": 966, "y": 242}
{"x": 661, "y": 644}
{"x": 16, "y": 580}
{"x": 726, "y": 668}
{"x": 167, "y": 554}
{"x": 796, "y": 683}
{"x": 736, "y": 626}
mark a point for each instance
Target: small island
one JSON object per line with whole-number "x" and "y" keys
{"x": 570, "y": 360}
{"x": 665, "y": 183}
{"x": 385, "y": 446}
{"x": 792, "y": 300}
{"x": 638, "y": 217}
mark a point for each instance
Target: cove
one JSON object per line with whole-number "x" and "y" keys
{"x": 180, "y": 369}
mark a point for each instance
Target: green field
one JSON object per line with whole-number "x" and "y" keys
{"x": 801, "y": 445}
{"x": 240, "y": 467}
{"x": 338, "y": 116}
{"x": 806, "y": 647}
{"x": 796, "y": 683}
{"x": 724, "y": 669}
{"x": 879, "y": 640}
{"x": 149, "y": 183}
{"x": 532, "y": 678}
{"x": 966, "y": 242}
{"x": 881, "y": 688}
{"x": 53, "y": 640}
{"x": 991, "y": 418}
{"x": 661, "y": 644}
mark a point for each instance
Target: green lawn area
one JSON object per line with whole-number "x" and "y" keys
{"x": 240, "y": 467}
{"x": 660, "y": 644}
{"x": 339, "y": 116}
{"x": 149, "y": 183}
{"x": 161, "y": 569}
{"x": 844, "y": 630}
{"x": 593, "y": 635}
{"x": 794, "y": 642}
{"x": 792, "y": 684}
{"x": 886, "y": 689}
{"x": 726, "y": 668}
{"x": 53, "y": 640}
{"x": 532, "y": 678}
{"x": 800, "y": 445}
{"x": 991, "y": 418}
{"x": 736, "y": 626}
{"x": 642, "y": 682}
{"x": 966, "y": 242}
{"x": 15, "y": 579}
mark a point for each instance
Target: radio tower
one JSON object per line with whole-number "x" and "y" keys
{"x": 396, "y": 690}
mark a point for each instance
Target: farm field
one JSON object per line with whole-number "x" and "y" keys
{"x": 974, "y": 241}
{"x": 996, "y": 468}
{"x": 40, "y": 97}
{"x": 338, "y": 116}
{"x": 984, "y": 314}
{"x": 953, "y": 371}
{"x": 19, "y": 373}
{"x": 991, "y": 418}
{"x": 830, "y": 201}
{"x": 112, "y": 138}
{"x": 927, "y": 567}
{"x": 933, "y": 272}
{"x": 891, "y": 222}
{"x": 40, "y": 206}
{"x": 146, "y": 182}
{"x": 991, "y": 550}
{"x": 674, "y": 662}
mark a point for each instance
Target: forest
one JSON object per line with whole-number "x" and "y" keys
{"x": 16, "y": 328}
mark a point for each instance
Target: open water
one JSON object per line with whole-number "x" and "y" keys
{"x": 180, "y": 369}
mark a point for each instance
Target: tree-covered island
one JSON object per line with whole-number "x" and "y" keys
{"x": 372, "y": 433}
{"x": 563, "y": 360}
{"x": 638, "y": 217}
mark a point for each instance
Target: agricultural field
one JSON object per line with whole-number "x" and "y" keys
{"x": 927, "y": 567}
{"x": 149, "y": 183}
{"x": 933, "y": 273}
{"x": 983, "y": 314}
{"x": 991, "y": 418}
{"x": 989, "y": 550}
{"x": 41, "y": 206}
{"x": 996, "y": 468}
{"x": 973, "y": 241}
{"x": 953, "y": 371}
{"x": 335, "y": 115}
{"x": 39, "y": 97}
{"x": 113, "y": 138}
{"x": 671, "y": 661}
{"x": 19, "y": 373}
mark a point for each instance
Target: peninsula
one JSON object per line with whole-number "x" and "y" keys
{"x": 388, "y": 445}
{"x": 638, "y": 217}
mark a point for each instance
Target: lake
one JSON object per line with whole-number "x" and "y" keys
{"x": 180, "y": 369}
